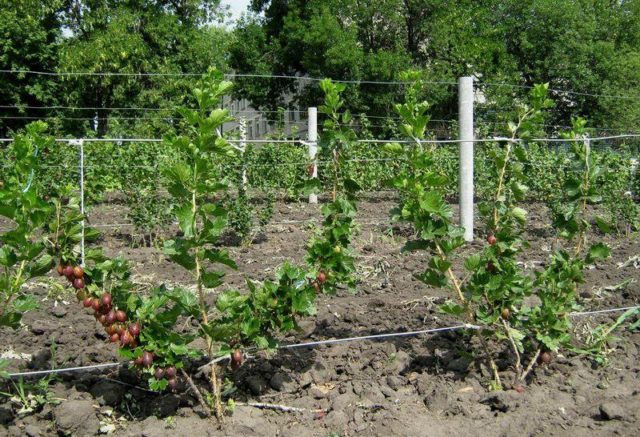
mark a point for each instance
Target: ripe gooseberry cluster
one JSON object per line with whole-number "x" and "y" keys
{"x": 114, "y": 320}
{"x": 74, "y": 274}
{"x": 317, "y": 283}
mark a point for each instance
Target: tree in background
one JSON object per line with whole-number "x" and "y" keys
{"x": 166, "y": 37}
{"x": 592, "y": 47}
{"x": 30, "y": 31}
{"x": 585, "y": 46}
{"x": 109, "y": 36}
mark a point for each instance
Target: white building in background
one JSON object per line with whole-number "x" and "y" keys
{"x": 260, "y": 124}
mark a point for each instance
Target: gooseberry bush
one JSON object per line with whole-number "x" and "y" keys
{"x": 48, "y": 228}
{"x": 535, "y": 333}
{"x": 147, "y": 208}
{"x": 422, "y": 190}
{"x": 143, "y": 323}
{"x": 330, "y": 252}
{"x": 143, "y": 326}
{"x": 23, "y": 254}
{"x": 492, "y": 294}
{"x": 245, "y": 220}
{"x": 235, "y": 320}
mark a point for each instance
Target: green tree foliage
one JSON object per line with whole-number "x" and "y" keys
{"x": 107, "y": 36}
{"x": 153, "y": 37}
{"x": 29, "y": 35}
{"x": 590, "y": 47}
{"x": 586, "y": 46}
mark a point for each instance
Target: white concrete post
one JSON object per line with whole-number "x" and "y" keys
{"x": 634, "y": 172}
{"x": 80, "y": 144}
{"x": 243, "y": 145}
{"x": 312, "y": 137}
{"x": 465, "y": 116}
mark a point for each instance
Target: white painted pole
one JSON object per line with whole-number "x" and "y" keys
{"x": 634, "y": 172}
{"x": 312, "y": 137}
{"x": 80, "y": 144}
{"x": 465, "y": 116}
{"x": 243, "y": 145}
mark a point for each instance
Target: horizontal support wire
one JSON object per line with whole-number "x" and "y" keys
{"x": 65, "y": 370}
{"x": 55, "y": 117}
{"x": 154, "y": 140}
{"x": 260, "y": 119}
{"x": 605, "y": 311}
{"x": 291, "y": 164}
{"x": 88, "y": 108}
{"x": 365, "y": 141}
{"x": 227, "y": 75}
{"x": 259, "y": 115}
{"x": 376, "y": 336}
{"x": 242, "y": 113}
{"x": 255, "y": 114}
{"x": 320, "y": 342}
{"x": 560, "y": 91}
{"x": 133, "y": 108}
{"x": 303, "y": 78}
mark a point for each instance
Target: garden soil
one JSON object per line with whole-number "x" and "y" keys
{"x": 426, "y": 385}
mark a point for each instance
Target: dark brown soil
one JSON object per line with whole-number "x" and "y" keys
{"x": 426, "y": 385}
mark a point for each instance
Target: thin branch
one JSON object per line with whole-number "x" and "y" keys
{"x": 530, "y": 366}
{"x": 195, "y": 389}
{"x": 471, "y": 317}
{"x": 278, "y": 407}
{"x": 515, "y": 349}
{"x": 216, "y": 394}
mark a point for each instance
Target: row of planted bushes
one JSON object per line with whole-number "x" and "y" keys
{"x": 284, "y": 166}
{"x": 136, "y": 169}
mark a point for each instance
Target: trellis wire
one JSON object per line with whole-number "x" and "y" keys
{"x": 290, "y": 346}
{"x": 65, "y": 370}
{"x": 377, "y": 336}
{"x": 364, "y": 141}
{"x": 560, "y": 91}
{"x": 164, "y": 118}
{"x": 261, "y": 116}
{"x": 322, "y": 342}
{"x": 88, "y": 108}
{"x": 303, "y": 78}
{"x": 605, "y": 311}
{"x": 227, "y": 75}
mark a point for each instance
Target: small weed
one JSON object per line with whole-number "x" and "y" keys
{"x": 170, "y": 422}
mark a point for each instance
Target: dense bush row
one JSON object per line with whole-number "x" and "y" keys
{"x": 135, "y": 169}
